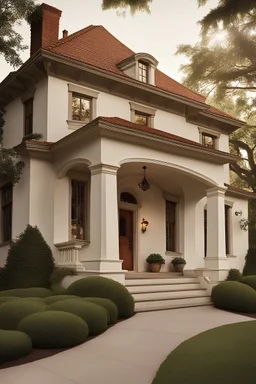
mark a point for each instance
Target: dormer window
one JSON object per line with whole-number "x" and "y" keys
{"x": 143, "y": 72}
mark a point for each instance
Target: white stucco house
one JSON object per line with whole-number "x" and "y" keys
{"x": 108, "y": 118}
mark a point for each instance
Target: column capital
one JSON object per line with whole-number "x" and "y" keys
{"x": 103, "y": 168}
{"x": 216, "y": 191}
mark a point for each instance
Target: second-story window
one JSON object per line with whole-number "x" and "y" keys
{"x": 143, "y": 72}
{"x": 142, "y": 118}
{"x": 81, "y": 108}
{"x": 28, "y": 117}
{"x": 209, "y": 140}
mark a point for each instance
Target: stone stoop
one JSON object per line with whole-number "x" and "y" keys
{"x": 152, "y": 293}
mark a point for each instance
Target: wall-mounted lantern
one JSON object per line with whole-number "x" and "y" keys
{"x": 144, "y": 225}
{"x": 239, "y": 213}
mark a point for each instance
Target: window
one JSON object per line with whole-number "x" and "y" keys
{"x": 143, "y": 72}
{"x": 208, "y": 140}
{"x": 142, "y": 118}
{"x": 6, "y": 193}
{"x": 81, "y": 108}
{"x": 78, "y": 209}
{"x": 127, "y": 197}
{"x": 170, "y": 214}
{"x": 28, "y": 117}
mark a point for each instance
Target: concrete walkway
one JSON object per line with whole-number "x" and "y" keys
{"x": 130, "y": 352}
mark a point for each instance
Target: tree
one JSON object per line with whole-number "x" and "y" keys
{"x": 12, "y": 13}
{"x": 135, "y": 5}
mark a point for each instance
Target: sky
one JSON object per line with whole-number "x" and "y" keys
{"x": 171, "y": 22}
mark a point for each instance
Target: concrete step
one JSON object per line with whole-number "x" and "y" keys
{"x": 166, "y": 281}
{"x": 138, "y": 297}
{"x": 171, "y": 304}
{"x": 163, "y": 288}
{"x": 150, "y": 275}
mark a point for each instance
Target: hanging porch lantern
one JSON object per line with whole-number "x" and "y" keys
{"x": 144, "y": 184}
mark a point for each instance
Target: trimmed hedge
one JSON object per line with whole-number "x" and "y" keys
{"x": 249, "y": 280}
{"x": 234, "y": 296}
{"x": 95, "y": 316}
{"x": 14, "y": 344}
{"x": 250, "y": 263}
{"x": 104, "y": 288}
{"x": 57, "y": 289}
{"x": 12, "y": 312}
{"x": 54, "y": 329}
{"x": 29, "y": 262}
{"x": 26, "y": 292}
{"x": 234, "y": 275}
{"x": 58, "y": 274}
{"x": 6, "y": 299}
{"x": 56, "y": 298}
{"x": 110, "y": 307}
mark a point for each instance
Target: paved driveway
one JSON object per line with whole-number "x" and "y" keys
{"x": 128, "y": 353}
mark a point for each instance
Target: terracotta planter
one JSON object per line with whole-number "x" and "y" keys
{"x": 155, "y": 267}
{"x": 179, "y": 267}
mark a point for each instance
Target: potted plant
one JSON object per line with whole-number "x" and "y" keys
{"x": 178, "y": 264}
{"x": 155, "y": 261}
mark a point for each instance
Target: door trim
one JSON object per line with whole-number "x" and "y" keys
{"x": 134, "y": 208}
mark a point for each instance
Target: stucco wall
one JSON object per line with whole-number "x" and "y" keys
{"x": 13, "y": 127}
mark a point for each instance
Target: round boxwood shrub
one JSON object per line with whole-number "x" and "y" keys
{"x": 29, "y": 262}
{"x": 110, "y": 307}
{"x": 54, "y": 329}
{"x": 26, "y": 292}
{"x": 7, "y": 298}
{"x": 234, "y": 296}
{"x": 56, "y": 298}
{"x": 14, "y": 344}
{"x": 96, "y": 286}
{"x": 95, "y": 316}
{"x": 12, "y": 312}
{"x": 234, "y": 275}
{"x": 249, "y": 280}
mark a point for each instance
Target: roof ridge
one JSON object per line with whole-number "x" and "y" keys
{"x": 72, "y": 36}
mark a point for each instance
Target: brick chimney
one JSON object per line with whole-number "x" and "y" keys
{"x": 45, "y": 30}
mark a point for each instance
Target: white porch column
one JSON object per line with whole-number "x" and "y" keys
{"x": 104, "y": 237}
{"x": 216, "y": 260}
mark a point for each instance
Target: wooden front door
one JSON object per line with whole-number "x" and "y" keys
{"x": 126, "y": 239}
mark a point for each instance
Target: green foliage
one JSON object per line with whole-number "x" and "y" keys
{"x": 59, "y": 274}
{"x": 178, "y": 260}
{"x": 110, "y": 307}
{"x": 155, "y": 258}
{"x": 221, "y": 355}
{"x": 6, "y": 299}
{"x": 234, "y": 275}
{"x": 95, "y": 316}
{"x": 10, "y": 165}
{"x": 250, "y": 263}
{"x": 58, "y": 289}
{"x": 234, "y": 296}
{"x": 54, "y": 329}
{"x": 56, "y": 298}
{"x": 26, "y": 292}
{"x": 135, "y": 5}
{"x": 12, "y": 312}
{"x": 249, "y": 280}
{"x": 3, "y": 278}
{"x": 104, "y": 288}
{"x": 14, "y": 345}
{"x": 30, "y": 262}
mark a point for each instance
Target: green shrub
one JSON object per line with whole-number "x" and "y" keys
{"x": 58, "y": 274}
{"x": 178, "y": 261}
{"x": 155, "y": 258}
{"x": 12, "y": 312}
{"x": 107, "y": 289}
{"x": 234, "y": 275}
{"x": 14, "y": 344}
{"x": 249, "y": 280}
{"x": 95, "y": 316}
{"x": 250, "y": 263}
{"x": 30, "y": 262}
{"x": 110, "y": 307}
{"x": 27, "y": 292}
{"x": 54, "y": 329}
{"x": 56, "y": 298}
{"x": 234, "y": 296}
{"x": 58, "y": 289}
{"x": 3, "y": 279}
{"x": 6, "y": 299}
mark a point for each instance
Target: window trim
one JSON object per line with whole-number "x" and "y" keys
{"x": 86, "y": 93}
{"x": 2, "y": 239}
{"x": 151, "y": 112}
{"x": 209, "y": 132}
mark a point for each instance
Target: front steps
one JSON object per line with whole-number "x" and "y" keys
{"x": 153, "y": 292}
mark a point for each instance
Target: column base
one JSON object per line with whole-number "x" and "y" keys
{"x": 103, "y": 265}
{"x": 77, "y": 266}
{"x": 218, "y": 268}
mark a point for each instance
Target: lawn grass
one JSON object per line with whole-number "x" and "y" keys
{"x": 221, "y": 355}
